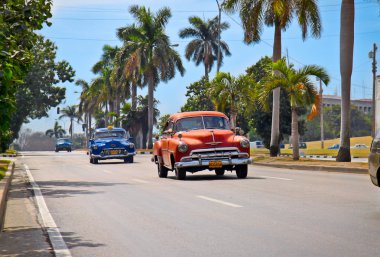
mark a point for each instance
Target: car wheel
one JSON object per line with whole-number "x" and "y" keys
{"x": 56, "y": 151}
{"x": 129, "y": 159}
{"x": 162, "y": 171}
{"x": 95, "y": 161}
{"x": 219, "y": 172}
{"x": 180, "y": 174}
{"x": 242, "y": 171}
{"x": 91, "y": 160}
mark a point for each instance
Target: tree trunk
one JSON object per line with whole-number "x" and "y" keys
{"x": 346, "y": 59}
{"x": 206, "y": 72}
{"x": 89, "y": 125}
{"x": 106, "y": 115}
{"x": 150, "y": 110}
{"x": 233, "y": 114}
{"x": 134, "y": 96}
{"x": 295, "y": 136}
{"x": 275, "y": 132}
{"x": 71, "y": 129}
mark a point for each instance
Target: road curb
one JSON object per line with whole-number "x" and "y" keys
{"x": 315, "y": 168}
{"x": 4, "y": 187}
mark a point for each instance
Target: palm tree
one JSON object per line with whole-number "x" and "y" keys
{"x": 277, "y": 13}
{"x": 347, "y": 18}
{"x": 87, "y": 104}
{"x": 57, "y": 131}
{"x": 104, "y": 68}
{"x": 300, "y": 89}
{"x": 226, "y": 89}
{"x": 150, "y": 52}
{"x": 204, "y": 48}
{"x": 71, "y": 113}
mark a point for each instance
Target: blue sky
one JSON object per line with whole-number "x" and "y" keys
{"x": 81, "y": 28}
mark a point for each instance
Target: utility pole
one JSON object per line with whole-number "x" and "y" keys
{"x": 321, "y": 113}
{"x": 219, "y": 21}
{"x": 372, "y": 54}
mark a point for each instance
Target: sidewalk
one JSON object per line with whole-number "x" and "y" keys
{"x": 22, "y": 234}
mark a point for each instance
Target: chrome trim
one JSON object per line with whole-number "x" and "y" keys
{"x": 205, "y": 163}
{"x": 214, "y": 150}
{"x": 115, "y": 156}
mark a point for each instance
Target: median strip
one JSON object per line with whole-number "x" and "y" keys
{"x": 219, "y": 201}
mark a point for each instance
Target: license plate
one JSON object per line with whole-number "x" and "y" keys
{"x": 112, "y": 152}
{"x": 215, "y": 164}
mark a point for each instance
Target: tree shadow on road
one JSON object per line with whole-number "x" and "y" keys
{"x": 27, "y": 242}
{"x": 63, "y": 188}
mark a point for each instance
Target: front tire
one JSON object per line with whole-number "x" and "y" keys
{"x": 129, "y": 159}
{"x": 219, "y": 172}
{"x": 242, "y": 171}
{"x": 162, "y": 171}
{"x": 180, "y": 174}
{"x": 95, "y": 161}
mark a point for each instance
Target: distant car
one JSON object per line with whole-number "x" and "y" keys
{"x": 359, "y": 146}
{"x": 301, "y": 145}
{"x": 63, "y": 144}
{"x": 335, "y": 146}
{"x": 256, "y": 144}
{"x": 111, "y": 143}
{"x": 374, "y": 160}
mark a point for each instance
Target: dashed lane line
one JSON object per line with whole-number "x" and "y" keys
{"x": 140, "y": 181}
{"x": 219, "y": 201}
{"x": 287, "y": 179}
{"x": 59, "y": 246}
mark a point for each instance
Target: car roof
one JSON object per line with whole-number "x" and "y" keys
{"x": 181, "y": 115}
{"x": 107, "y": 129}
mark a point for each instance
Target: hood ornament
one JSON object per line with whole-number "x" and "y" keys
{"x": 213, "y": 143}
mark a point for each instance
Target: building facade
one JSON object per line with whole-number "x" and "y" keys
{"x": 364, "y": 105}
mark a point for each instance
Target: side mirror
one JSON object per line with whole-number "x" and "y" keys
{"x": 169, "y": 131}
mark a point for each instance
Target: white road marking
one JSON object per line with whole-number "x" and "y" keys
{"x": 107, "y": 171}
{"x": 140, "y": 180}
{"x": 287, "y": 179}
{"x": 22, "y": 156}
{"x": 219, "y": 201}
{"x": 59, "y": 245}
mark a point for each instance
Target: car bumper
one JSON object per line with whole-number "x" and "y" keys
{"x": 114, "y": 156}
{"x": 206, "y": 163}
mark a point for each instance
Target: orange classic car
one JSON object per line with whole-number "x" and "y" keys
{"x": 195, "y": 141}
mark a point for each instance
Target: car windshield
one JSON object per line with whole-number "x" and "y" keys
{"x": 202, "y": 122}
{"x": 107, "y": 134}
{"x": 61, "y": 141}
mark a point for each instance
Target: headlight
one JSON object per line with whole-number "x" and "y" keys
{"x": 131, "y": 145}
{"x": 182, "y": 147}
{"x": 94, "y": 147}
{"x": 244, "y": 143}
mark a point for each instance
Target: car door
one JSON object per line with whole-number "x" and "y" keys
{"x": 165, "y": 143}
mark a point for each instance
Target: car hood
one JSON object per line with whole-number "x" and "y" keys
{"x": 207, "y": 138}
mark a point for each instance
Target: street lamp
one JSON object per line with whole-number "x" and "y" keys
{"x": 372, "y": 55}
{"x": 321, "y": 112}
{"x": 219, "y": 20}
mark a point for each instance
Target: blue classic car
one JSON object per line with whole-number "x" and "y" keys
{"x": 111, "y": 143}
{"x": 63, "y": 144}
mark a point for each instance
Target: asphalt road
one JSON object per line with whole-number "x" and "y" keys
{"x": 117, "y": 209}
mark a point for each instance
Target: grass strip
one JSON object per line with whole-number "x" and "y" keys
{"x": 3, "y": 168}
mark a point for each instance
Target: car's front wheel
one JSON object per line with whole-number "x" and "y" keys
{"x": 162, "y": 171}
{"x": 129, "y": 159}
{"x": 180, "y": 174}
{"x": 219, "y": 172}
{"x": 95, "y": 161}
{"x": 242, "y": 171}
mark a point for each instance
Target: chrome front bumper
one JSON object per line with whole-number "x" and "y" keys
{"x": 114, "y": 156}
{"x": 205, "y": 163}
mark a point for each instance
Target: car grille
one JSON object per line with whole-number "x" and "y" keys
{"x": 216, "y": 153}
{"x": 114, "y": 151}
